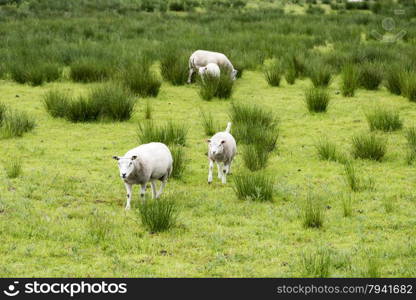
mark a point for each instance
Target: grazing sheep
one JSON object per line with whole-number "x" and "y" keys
{"x": 221, "y": 149}
{"x": 210, "y": 69}
{"x": 202, "y": 58}
{"x": 148, "y": 162}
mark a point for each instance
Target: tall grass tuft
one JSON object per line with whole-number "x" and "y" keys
{"x": 174, "y": 66}
{"x": 148, "y": 110}
{"x": 90, "y": 70}
{"x": 14, "y": 123}
{"x": 116, "y": 102}
{"x": 253, "y": 186}
{"x": 408, "y": 85}
{"x": 383, "y": 119}
{"x": 317, "y": 99}
{"x": 369, "y": 146}
{"x": 170, "y": 133}
{"x": 158, "y": 215}
{"x": 225, "y": 84}
{"x": 350, "y": 80}
{"x": 393, "y": 77}
{"x": 317, "y": 264}
{"x": 312, "y": 212}
{"x": 99, "y": 227}
{"x": 320, "y": 74}
{"x": 290, "y": 74}
{"x": 255, "y": 156}
{"x": 354, "y": 181}
{"x": 179, "y": 159}
{"x": 208, "y": 123}
{"x": 370, "y": 76}
{"x": 273, "y": 73}
{"x": 83, "y": 110}
{"x": 328, "y": 151}
{"x": 347, "y": 201}
{"x": 208, "y": 87}
{"x": 56, "y": 103}
{"x": 141, "y": 80}
{"x": 410, "y": 135}
{"x": 35, "y": 73}
{"x": 13, "y": 168}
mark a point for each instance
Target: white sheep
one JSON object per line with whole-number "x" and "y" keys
{"x": 210, "y": 69}
{"x": 221, "y": 149}
{"x": 148, "y": 162}
{"x": 201, "y": 58}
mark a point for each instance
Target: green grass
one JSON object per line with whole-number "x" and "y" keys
{"x": 208, "y": 123}
{"x": 350, "y": 80}
{"x": 312, "y": 212}
{"x": 317, "y": 100}
{"x": 317, "y": 264}
{"x": 408, "y": 85}
{"x": 47, "y": 214}
{"x": 255, "y": 156}
{"x": 13, "y": 168}
{"x": 320, "y": 74}
{"x": 370, "y": 76}
{"x": 410, "y": 135}
{"x": 158, "y": 215}
{"x": 328, "y": 151}
{"x": 253, "y": 186}
{"x": 179, "y": 161}
{"x": 169, "y": 133}
{"x": 141, "y": 80}
{"x": 384, "y": 119}
{"x": 14, "y": 123}
{"x": 369, "y": 146}
{"x": 273, "y": 73}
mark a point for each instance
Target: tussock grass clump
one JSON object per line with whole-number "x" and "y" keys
{"x": 13, "y": 168}
{"x": 99, "y": 227}
{"x": 373, "y": 268}
{"x": 56, "y": 103}
{"x": 328, "y": 151}
{"x": 253, "y": 186}
{"x": 255, "y": 125}
{"x": 312, "y": 212}
{"x": 158, "y": 215}
{"x": 369, "y": 146}
{"x": 316, "y": 264}
{"x": 179, "y": 161}
{"x": 408, "y": 85}
{"x": 225, "y": 85}
{"x": 320, "y": 74}
{"x": 317, "y": 99}
{"x": 174, "y": 66}
{"x": 14, "y": 123}
{"x": 208, "y": 123}
{"x": 170, "y": 133}
{"x": 90, "y": 70}
{"x": 104, "y": 102}
{"x": 141, "y": 80}
{"x": 393, "y": 77}
{"x": 354, "y": 181}
{"x": 273, "y": 73}
{"x": 371, "y": 76}
{"x": 116, "y": 102}
{"x": 347, "y": 201}
{"x": 255, "y": 156}
{"x": 384, "y": 119}
{"x": 208, "y": 87}
{"x": 410, "y": 135}
{"x": 350, "y": 80}
{"x": 290, "y": 74}
{"x": 35, "y": 73}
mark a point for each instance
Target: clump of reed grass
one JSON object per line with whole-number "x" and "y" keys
{"x": 253, "y": 186}
{"x": 384, "y": 119}
{"x": 169, "y": 133}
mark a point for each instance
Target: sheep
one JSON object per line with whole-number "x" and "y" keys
{"x": 210, "y": 69}
{"x": 201, "y": 58}
{"x": 148, "y": 162}
{"x": 221, "y": 149}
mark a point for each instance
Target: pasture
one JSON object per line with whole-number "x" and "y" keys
{"x": 332, "y": 213}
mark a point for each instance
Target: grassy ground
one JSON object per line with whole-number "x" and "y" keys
{"x": 64, "y": 216}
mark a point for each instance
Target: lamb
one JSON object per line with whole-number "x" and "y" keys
{"x": 201, "y": 58}
{"x": 148, "y": 162}
{"x": 210, "y": 69}
{"x": 221, "y": 149}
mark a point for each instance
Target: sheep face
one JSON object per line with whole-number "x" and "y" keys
{"x": 216, "y": 148}
{"x": 202, "y": 70}
{"x": 125, "y": 165}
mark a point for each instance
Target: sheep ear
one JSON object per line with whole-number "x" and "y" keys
{"x": 133, "y": 157}
{"x": 223, "y": 141}
{"x": 116, "y": 157}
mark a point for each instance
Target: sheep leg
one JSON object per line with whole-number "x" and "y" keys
{"x": 128, "y": 189}
{"x": 211, "y": 166}
{"x": 219, "y": 170}
{"x": 142, "y": 191}
{"x": 191, "y": 71}
{"x": 162, "y": 186}
{"x": 229, "y": 168}
{"x": 224, "y": 173}
{"x": 153, "y": 184}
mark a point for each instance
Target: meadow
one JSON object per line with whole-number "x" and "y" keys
{"x": 332, "y": 103}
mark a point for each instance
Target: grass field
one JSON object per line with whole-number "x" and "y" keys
{"x": 63, "y": 215}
